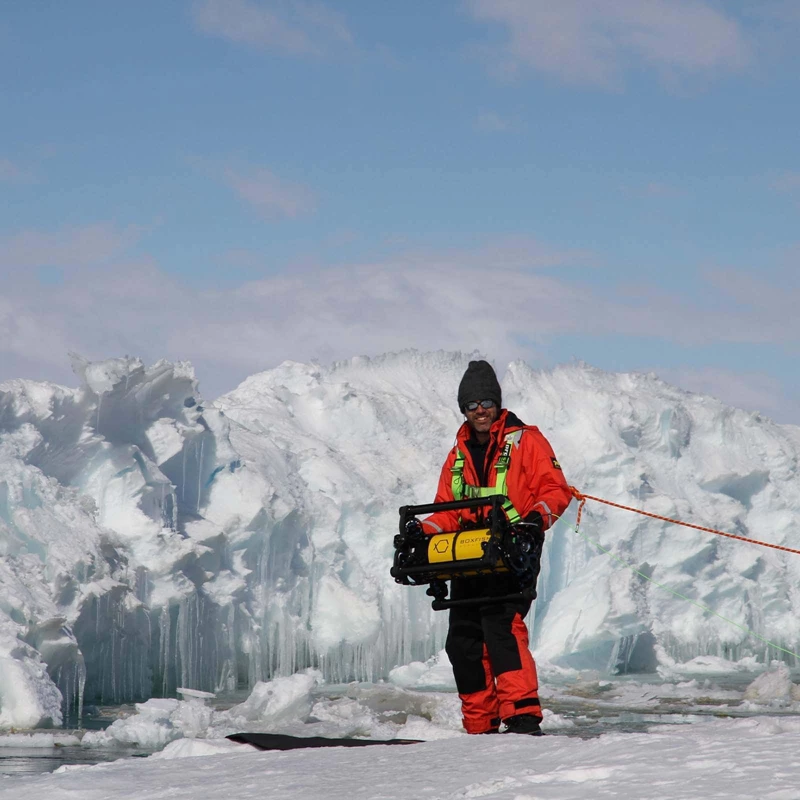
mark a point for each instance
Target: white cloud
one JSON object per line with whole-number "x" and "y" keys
{"x": 786, "y": 182}
{"x": 506, "y": 299}
{"x": 69, "y": 247}
{"x": 751, "y": 390}
{"x": 596, "y": 41}
{"x": 455, "y": 299}
{"x": 27, "y": 340}
{"x": 491, "y": 122}
{"x": 289, "y": 26}
{"x": 13, "y": 173}
{"x": 659, "y": 189}
{"x": 268, "y": 194}
{"x": 652, "y": 190}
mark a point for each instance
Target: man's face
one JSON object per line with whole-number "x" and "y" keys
{"x": 481, "y": 419}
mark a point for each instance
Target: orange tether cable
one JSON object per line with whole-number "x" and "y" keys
{"x": 584, "y": 497}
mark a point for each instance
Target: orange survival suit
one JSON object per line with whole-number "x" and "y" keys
{"x": 488, "y": 644}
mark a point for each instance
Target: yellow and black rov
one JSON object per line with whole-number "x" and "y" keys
{"x": 492, "y": 548}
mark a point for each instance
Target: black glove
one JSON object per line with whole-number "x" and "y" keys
{"x": 534, "y": 523}
{"x": 529, "y": 537}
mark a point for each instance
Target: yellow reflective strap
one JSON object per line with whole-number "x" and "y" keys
{"x": 502, "y": 467}
{"x": 463, "y": 490}
{"x": 472, "y": 492}
{"x": 457, "y": 481}
{"x": 511, "y": 513}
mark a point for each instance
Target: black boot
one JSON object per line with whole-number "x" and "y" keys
{"x": 524, "y": 723}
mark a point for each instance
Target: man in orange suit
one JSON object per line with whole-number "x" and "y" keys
{"x": 488, "y": 643}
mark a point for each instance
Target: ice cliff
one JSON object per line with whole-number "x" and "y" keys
{"x": 149, "y": 540}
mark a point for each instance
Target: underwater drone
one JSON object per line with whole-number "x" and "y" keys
{"x": 494, "y": 546}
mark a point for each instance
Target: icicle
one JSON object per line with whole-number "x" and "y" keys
{"x": 183, "y": 474}
{"x": 81, "y": 687}
{"x": 164, "y": 648}
{"x": 181, "y": 642}
{"x": 200, "y": 473}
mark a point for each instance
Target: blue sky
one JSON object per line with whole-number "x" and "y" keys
{"x": 238, "y": 182}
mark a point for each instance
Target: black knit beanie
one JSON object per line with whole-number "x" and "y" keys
{"x": 479, "y": 383}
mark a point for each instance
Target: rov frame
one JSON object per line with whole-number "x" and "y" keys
{"x": 504, "y": 548}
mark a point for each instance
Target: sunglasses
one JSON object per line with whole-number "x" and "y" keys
{"x": 472, "y": 406}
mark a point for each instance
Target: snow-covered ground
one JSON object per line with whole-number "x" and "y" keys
{"x": 699, "y": 740}
{"x": 758, "y": 758}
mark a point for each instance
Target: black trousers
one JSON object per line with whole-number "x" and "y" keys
{"x": 488, "y": 648}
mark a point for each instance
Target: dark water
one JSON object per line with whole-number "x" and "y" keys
{"x": 34, "y": 760}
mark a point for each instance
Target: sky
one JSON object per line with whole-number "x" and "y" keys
{"x": 241, "y": 182}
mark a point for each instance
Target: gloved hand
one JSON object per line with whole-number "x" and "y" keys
{"x": 534, "y": 523}
{"x": 529, "y": 536}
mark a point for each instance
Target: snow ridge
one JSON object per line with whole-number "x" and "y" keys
{"x": 149, "y": 541}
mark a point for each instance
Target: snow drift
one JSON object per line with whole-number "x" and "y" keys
{"x": 150, "y": 541}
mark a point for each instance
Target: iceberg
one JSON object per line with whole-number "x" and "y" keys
{"x": 150, "y": 540}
